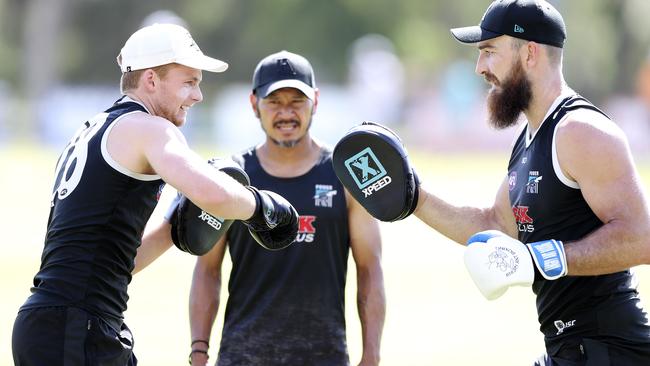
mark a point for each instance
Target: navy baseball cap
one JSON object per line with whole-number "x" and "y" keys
{"x": 284, "y": 70}
{"x": 532, "y": 20}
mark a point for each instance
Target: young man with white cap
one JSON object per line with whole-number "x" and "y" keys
{"x": 291, "y": 309}
{"x": 108, "y": 181}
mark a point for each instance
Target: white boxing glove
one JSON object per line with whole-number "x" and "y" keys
{"x": 495, "y": 261}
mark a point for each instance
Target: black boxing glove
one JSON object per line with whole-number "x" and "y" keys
{"x": 274, "y": 224}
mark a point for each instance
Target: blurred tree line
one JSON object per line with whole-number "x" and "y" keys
{"x": 51, "y": 42}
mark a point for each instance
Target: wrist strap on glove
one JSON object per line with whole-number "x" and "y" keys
{"x": 261, "y": 220}
{"x": 549, "y": 258}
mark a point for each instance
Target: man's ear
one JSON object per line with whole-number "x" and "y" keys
{"x": 533, "y": 50}
{"x": 149, "y": 79}
{"x": 315, "y": 107}
{"x": 253, "y": 100}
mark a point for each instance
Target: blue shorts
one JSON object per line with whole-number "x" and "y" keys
{"x": 69, "y": 336}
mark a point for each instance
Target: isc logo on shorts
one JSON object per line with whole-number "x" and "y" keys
{"x": 365, "y": 168}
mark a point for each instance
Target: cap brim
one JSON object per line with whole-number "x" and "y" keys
{"x": 264, "y": 90}
{"x": 473, "y": 34}
{"x": 203, "y": 62}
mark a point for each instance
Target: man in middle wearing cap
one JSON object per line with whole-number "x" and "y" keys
{"x": 287, "y": 307}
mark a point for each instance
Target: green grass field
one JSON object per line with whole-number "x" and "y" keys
{"x": 435, "y": 315}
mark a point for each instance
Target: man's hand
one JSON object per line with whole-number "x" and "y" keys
{"x": 274, "y": 225}
{"x": 496, "y": 261}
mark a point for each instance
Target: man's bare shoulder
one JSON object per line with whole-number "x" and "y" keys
{"x": 141, "y": 125}
{"x": 590, "y": 145}
{"x": 145, "y": 120}
{"x": 586, "y": 126}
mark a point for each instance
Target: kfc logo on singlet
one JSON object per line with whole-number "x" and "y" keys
{"x": 524, "y": 221}
{"x": 306, "y": 229}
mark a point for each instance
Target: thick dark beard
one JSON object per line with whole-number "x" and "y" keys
{"x": 506, "y": 104}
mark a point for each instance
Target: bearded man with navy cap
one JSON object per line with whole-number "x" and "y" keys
{"x": 288, "y": 307}
{"x": 571, "y": 217}
{"x": 572, "y": 193}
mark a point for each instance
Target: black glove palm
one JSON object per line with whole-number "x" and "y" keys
{"x": 274, "y": 225}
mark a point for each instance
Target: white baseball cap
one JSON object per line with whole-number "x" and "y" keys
{"x": 161, "y": 44}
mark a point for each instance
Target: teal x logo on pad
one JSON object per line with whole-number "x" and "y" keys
{"x": 365, "y": 168}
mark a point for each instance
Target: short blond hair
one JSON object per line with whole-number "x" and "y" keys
{"x": 131, "y": 79}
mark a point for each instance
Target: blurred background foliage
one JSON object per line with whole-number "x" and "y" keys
{"x": 48, "y": 43}
{"x": 78, "y": 39}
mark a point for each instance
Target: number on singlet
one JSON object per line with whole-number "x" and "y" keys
{"x": 72, "y": 161}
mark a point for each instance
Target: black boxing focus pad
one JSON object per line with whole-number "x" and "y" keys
{"x": 194, "y": 230}
{"x": 372, "y": 163}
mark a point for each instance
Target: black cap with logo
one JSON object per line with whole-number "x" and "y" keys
{"x": 532, "y": 20}
{"x": 284, "y": 70}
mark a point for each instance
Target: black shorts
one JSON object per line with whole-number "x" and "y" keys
{"x": 69, "y": 336}
{"x": 591, "y": 352}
